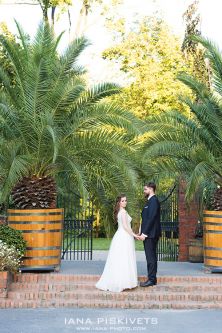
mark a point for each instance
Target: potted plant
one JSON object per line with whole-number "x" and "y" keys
{"x": 212, "y": 223}
{"x": 196, "y": 245}
{"x": 12, "y": 250}
{"x": 189, "y": 145}
{"x": 56, "y": 130}
{"x": 40, "y": 221}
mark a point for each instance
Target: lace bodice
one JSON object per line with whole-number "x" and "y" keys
{"x": 129, "y": 218}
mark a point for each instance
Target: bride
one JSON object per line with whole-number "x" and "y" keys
{"x": 120, "y": 271}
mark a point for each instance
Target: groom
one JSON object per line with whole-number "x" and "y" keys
{"x": 150, "y": 231}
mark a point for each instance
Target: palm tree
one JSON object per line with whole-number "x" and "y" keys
{"x": 190, "y": 145}
{"x": 57, "y": 132}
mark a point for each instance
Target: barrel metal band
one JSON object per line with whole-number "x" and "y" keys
{"x": 43, "y": 248}
{"x": 42, "y": 231}
{"x": 212, "y": 258}
{"x": 212, "y": 223}
{"x": 212, "y": 215}
{"x": 213, "y": 231}
{"x": 212, "y": 248}
{"x": 35, "y": 222}
{"x": 35, "y": 214}
{"x": 30, "y": 267}
{"x": 39, "y": 257}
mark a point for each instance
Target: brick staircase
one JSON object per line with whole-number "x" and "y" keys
{"x": 32, "y": 290}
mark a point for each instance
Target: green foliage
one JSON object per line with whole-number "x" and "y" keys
{"x": 53, "y": 123}
{"x": 151, "y": 57}
{"x": 4, "y": 61}
{"x": 13, "y": 237}
{"x": 191, "y": 146}
{"x": 192, "y": 20}
{"x": 193, "y": 51}
{"x": 9, "y": 258}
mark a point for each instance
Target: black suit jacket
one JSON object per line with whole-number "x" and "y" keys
{"x": 151, "y": 218}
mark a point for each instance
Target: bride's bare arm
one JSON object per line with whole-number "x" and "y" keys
{"x": 126, "y": 225}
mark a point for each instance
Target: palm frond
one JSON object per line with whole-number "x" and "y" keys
{"x": 54, "y": 124}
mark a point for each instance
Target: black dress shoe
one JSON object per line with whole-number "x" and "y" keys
{"x": 148, "y": 283}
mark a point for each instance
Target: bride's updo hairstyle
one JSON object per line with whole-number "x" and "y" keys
{"x": 117, "y": 206}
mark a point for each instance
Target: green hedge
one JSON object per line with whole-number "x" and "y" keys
{"x": 13, "y": 237}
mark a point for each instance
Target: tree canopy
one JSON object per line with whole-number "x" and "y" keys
{"x": 150, "y": 55}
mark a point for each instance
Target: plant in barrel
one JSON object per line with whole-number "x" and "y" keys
{"x": 190, "y": 145}
{"x": 56, "y": 130}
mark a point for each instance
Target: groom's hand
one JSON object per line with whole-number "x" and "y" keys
{"x": 141, "y": 237}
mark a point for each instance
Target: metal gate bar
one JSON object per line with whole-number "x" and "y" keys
{"x": 77, "y": 241}
{"x": 168, "y": 243}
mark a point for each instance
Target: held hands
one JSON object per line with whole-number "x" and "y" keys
{"x": 139, "y": 237}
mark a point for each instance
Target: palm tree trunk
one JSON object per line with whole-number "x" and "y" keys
{"x": 44, "y": 4}
{"x": 53, "y": 15}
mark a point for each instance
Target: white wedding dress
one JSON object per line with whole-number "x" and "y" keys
{"x": 120, "y": 271}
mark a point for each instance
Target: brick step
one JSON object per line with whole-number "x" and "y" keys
{"x": 53, "y": 277}
{"x": 63, "y": 290}
{"x": 84, "y": 303}
{"x": 125, "y": 296}
{"x": 60, "y": 287}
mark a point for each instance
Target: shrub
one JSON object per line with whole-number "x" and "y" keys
{"x": 9, "y": 258}
{"x": 13, "y": 238}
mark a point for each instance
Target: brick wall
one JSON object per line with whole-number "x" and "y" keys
{"x": 188, "y": 217}
{"x": 6, "y": 279}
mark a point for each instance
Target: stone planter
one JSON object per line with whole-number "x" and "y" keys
{"x": 5, "y": 280}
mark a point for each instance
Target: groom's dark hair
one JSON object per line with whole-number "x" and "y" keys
{"x": 152, "y": 185}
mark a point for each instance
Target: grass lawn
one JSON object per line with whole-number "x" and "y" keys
{"x": 165, "y": 246}
{"x": 104, "y": 243}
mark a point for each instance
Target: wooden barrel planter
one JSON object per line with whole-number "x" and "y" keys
{"x": 212, "y": 239}
{"x": 42, "y": 229}
{"x": 196, "y": 250}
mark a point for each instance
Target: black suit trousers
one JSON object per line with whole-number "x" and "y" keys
{"x": 150, "y": 247}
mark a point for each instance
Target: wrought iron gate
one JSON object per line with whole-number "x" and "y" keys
{"x": 78, "y": 228}
{"x": 168, "y": 243}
